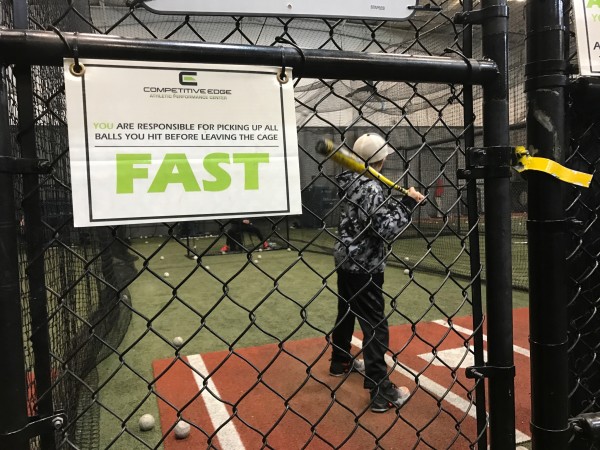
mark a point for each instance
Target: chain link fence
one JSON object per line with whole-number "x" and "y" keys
{"x": 582, "y": 206}
{"x": 113, "y": 298}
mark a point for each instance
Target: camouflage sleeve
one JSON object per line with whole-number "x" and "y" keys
{"x": 389, "y": 216}
{"x": 369, "y": 203}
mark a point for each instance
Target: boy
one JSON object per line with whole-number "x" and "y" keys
{"x": 369, "y": 222}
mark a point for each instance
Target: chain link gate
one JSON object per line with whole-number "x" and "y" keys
{"x": 99, "y": 312}
{"x": 581, "y": 209}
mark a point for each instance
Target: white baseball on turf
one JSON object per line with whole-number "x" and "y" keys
{"x": 260, "y": 249}
{"x": 406, "y": 258}
{"x": 182, "y": 430}
{"x": 289, "y": 249}
{"x": 166, "y": 274}
{"x": 162, "y": 257}
{"x": 146, "y": 242}
{"x": 207, "y": 267}
{"x": 195, "y": 256}
{"x": 259, "y": 256}
{"x": 256, "y": 261}
{"x": 178, "y": 341}
{"x": 146, "y": 422}
{"x": 406, "y": 271}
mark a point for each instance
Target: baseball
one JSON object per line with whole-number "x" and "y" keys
{"x": 195, "y": 257}
{"x": 182, "y": 430}
{"x": 178, "y": 341}
{"x": 146, "y": 422}
{"x": 406, "y": 258}
{"x": 145, "y": 242}
{"x": 259, "y": 256}
{"x": 406, "y": 271}
{"x": 162, "y": 257}
{"x": 260, "y": 249}
{"x": 166, "y": 274}
{"x": 289, "y": 249}
{"x": 256, "y": 261}
{"x": 207, "y": 267}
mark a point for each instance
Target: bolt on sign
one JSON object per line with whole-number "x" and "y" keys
{"x": 587, "y": 23}
{"x": 161, "y": 142}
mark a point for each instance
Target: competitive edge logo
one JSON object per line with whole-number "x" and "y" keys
{"x": 188, "y": 79}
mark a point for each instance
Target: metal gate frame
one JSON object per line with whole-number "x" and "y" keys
{"x": 24, "y": 48}
{"x": 545, "y": 85}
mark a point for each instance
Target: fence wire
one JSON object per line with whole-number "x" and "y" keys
{"x": 117, "y": 296}
{"x": 583, "y": 252}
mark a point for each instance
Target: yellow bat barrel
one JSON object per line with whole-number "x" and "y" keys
{"x": 344, "y": 158}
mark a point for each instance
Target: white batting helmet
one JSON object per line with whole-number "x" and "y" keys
{"x": 372, "y": 148}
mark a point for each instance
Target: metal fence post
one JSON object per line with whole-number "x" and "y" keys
{"x": 474, "y": 247}
{"x": 34, "y": 237}
{"x": 13, "y": 389}
{"x": 545, "y": 84}
{"x": 498, "y": 234}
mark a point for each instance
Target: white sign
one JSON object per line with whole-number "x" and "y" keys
{"x": 587, "y": 22}
{"x": 359, "y": 9}
{"x": 163, "y": 142}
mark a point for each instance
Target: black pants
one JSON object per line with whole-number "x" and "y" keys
{"x": 361, "y": 297}
{"x": 235, "y": 235}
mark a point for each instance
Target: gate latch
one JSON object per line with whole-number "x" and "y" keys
{"x": 480, "y": 372}
{"x": 10, "y": 164}
{"x": 487, "y": 162}
{"x": 36, "y": 427}
{"x": 588, "y": 425}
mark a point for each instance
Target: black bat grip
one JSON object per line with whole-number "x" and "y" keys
{"x": 324, "y": 146}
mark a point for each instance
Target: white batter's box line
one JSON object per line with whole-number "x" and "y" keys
{"x": 225, "y": 430}
{"x": 436, "y": 390}
{"x": 469, "y": 333}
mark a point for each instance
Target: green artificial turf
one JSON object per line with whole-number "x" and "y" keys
{"x": 224, "y": 301}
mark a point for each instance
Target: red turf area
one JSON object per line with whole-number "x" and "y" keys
{"x": 279, "y": 405}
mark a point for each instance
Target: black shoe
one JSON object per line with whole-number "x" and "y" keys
{"x": 338, "y": 369}
{"x": 387, "y": 396}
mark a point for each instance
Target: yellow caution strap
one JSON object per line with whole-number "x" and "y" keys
{"x": 527, "y": 162}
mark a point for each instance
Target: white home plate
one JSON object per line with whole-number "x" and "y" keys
{"x": 452, "y": 357}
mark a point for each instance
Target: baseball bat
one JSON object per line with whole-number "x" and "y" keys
{"x": 344, "y": 158}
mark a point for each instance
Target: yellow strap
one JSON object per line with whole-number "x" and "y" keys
{"x": 526, "y": 162}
